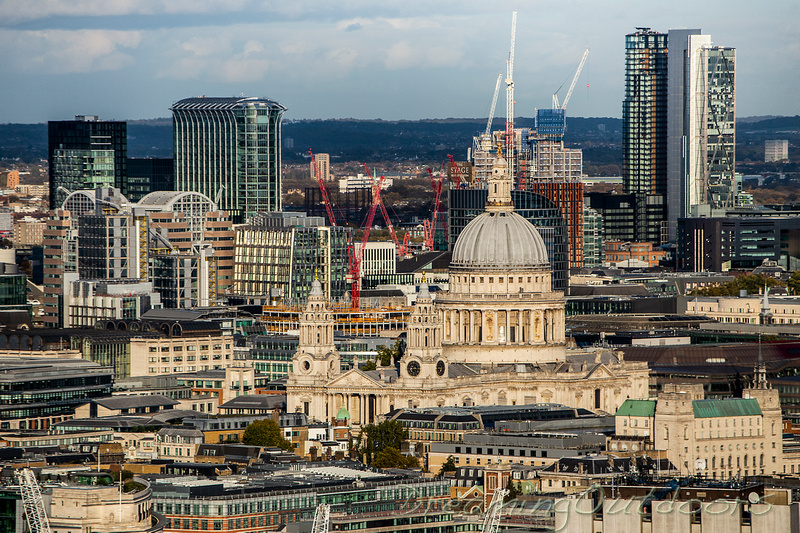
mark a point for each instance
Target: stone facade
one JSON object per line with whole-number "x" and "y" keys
{"x": 496, "y": 337}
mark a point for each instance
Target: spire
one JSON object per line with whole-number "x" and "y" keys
{"x": 499, "y": 185}
{"x": 766, "y": 312}
{"x": 423, "y": 289}
{"x": 316, "y": 286}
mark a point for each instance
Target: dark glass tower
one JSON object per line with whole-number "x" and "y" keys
{"x": 86, "y": 153}
{"x": 644, "y": 113}
{"x": 149, "y": 174}
{"x": 231, "y": 147}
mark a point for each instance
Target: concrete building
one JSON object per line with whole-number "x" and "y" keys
{"x": 28, "y": 231}
{"x": 90, "y": 301}
{"x": 12, "y": 179}
{"x": 776, "y": 150}
{"x": 533, "y": 449}
{"x": 323, "y": 162}
{"x": 178, "y": 443}
{"x": 722, "y": 439}
{"x": 699, "y": 507}
{"x": 91, "y": 501}
{"x": 229, "y": 149}
{"x": 86, "y": 153}
{"x": 379, "y": 259}
{"x": 362, "y": 181}
{"x": 177, "y": 241}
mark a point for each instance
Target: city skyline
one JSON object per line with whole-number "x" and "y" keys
{"x": 132, "y": 60}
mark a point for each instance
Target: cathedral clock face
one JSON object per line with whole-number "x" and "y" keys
{"x": 440, "y": 368}
{"x": 413, "y": 369}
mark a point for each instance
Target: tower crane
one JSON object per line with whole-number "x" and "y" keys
{"x": 488, "y": 131}
{"x": 321, "y": 519}
{"x": 572, "y": 85}
{"x": 32, "y": 501}
{"x": 457, "y": 176}
{"x": 491, "y": 519}
{"x": 324, "y": 190}
{"x": 430, "y": 225}
{"x": 399, "y": 246}
{"x": 353, "y": 277}
{"x": 510, "y": 134}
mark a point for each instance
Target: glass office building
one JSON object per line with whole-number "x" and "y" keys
{"x": 86, "y": 153}
{"x": 644, "y": 113}
{"x": 230, "y": 147}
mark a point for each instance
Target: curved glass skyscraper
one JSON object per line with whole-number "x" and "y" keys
{"x": 230, "y": 147}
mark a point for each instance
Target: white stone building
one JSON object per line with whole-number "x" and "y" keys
{"x": 496, "y": 337}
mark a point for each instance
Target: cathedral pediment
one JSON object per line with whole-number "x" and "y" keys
{"x": 354, "y": 379}
{"x": 600, "y": 371}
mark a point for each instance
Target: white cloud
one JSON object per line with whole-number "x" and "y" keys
{"x": 15, "y": 11}
{"x": 68, "y": 52}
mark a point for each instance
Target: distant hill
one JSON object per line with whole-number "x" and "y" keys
{"x": 376, "y": 140}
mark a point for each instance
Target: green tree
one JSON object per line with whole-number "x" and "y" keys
{"x": 448, "y": 466}
{"x": 389, "y": 356}
{"x": 265, "y": 432}
{"x": 512, "y": 489}
{"x": 794, "y": 283}
{"x": 753, "y": 284}
{"x": 369, "y": 365}
{"x": 374, "y": 438}
{"x": 392, "y": 458}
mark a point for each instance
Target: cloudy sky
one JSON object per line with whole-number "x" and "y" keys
{"x": 409, "y": 59}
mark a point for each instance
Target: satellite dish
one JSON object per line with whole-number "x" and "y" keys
{"x": 700, "y": 464}
{"x": 753, "y": 497}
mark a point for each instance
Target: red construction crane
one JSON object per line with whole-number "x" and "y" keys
{"x": 353, "y": 277}
{"x": 457, "y": 176}
{"x": 430, "y": 226}
{"x": 324, "y": 190}
{"x": 400, "y": 247}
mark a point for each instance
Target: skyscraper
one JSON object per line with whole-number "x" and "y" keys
{"x": 701, "y": 129}
{"x": 230, "y": 147}
{"x": 86, "y": 153}
{"x": 644, "y": 113}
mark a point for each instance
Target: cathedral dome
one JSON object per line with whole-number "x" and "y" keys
{"x": 499, "y": 240}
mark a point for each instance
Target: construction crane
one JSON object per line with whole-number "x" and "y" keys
{"x": 457, "y": 176}
{"x": 324, "y": 190}
{"x": 32, "y": 501}
{"x": 572, "y": 85}
{"x": 488, "y": 131}
{"x": 510, "y": 134}
{"x": 353, "y": 277}
{"x": 430, "y": 225}
{"x": 400, "y": 247}
{"x": 321, "y": 519}
{"x": 491, "y": 519}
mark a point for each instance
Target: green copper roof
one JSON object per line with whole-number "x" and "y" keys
{"x": 726, "y": 407}
{"x": 637, "y": 408}
{"x": 343, "y": 414}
